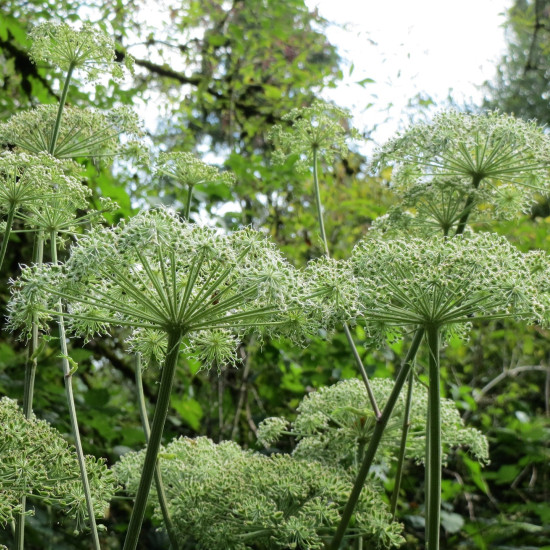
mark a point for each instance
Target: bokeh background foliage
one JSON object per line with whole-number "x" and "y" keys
{"x": 215, "y": 80}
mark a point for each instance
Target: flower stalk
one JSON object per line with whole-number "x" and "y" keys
{"x": 370, "y": 452}
{"x": 151, "y": 456}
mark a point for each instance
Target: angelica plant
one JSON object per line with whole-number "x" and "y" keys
{"x": 173, "y": 280}
{"x": 334, "y": 424}
{"x": 188, "y": 171}
{"x": 489, "y": 159}
{"x": 437, "y": 287}
{"x": 221, "y": 496}
{"x": 317, "y": 132}
{"x": 37, "y": 462}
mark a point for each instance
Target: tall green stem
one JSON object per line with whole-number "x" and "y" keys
{"x": 375, "y": 440}
{"x": 433, "y": 429}
{"x": 476, "y": 180}
{"x": 347, "y": 332}
{"x": 7, "y": 233}
{"x": 187, "y": 211}
{"x": 57, "y": 125}
{"x": 402, "y": 446}
{"x": 161, "y": 493}
{"x": 28, "y": 389}
{"x": 68, "y": 376}
{"x": 159, "y": 419}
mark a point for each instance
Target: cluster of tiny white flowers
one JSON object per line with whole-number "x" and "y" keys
{"x": 322, "y": 128}
{"x": 88, "y": 49}
{"x": 221, "y": 496}
{"x": 38, "y": 462}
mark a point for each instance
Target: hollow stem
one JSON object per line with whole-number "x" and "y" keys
{"x": 28, "y": 389}
{"x": 159, "y": 419}
{"x": 55, "y": 132}
{"x": 476, "y": 180}
{"x": 379, "y": 428}
{"x": 68, "y": 372}
{"x": 163, "y": 502}
{"x": 402, "y": 446}
{"x": 349, "y": 337}
{"x": 7, "y": 232}
{"x": 187, "y": 211}
{"x": 433, "y": 429}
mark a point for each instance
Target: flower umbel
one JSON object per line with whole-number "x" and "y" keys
{"x": 88, "y": 49}
{"x": 321, "y": 128}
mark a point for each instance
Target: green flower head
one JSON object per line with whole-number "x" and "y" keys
{"x": 159, "y": 275}
{"x": 449, "y": 282}
{"x": 221, "y": 496}
{"x": 333, "y": 422}
{"x": 88, "y": 49}
{"x": 477, "y": 161}
{"x": 83, "y": 133}
{"x": 321, "y": 128}
{"x": 187, "y": 170}
{"x": 37, "y": 462}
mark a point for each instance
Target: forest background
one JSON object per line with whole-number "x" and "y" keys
{"x": 215, "y": 79}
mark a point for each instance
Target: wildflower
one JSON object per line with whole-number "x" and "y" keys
{"x": 38, "y": 462}
{"x": 490, "y": 159}
{"x": 88, "y": 49}
{"x": 221, "y": 496}
{"x": 83, "y": 133}
{"x": 319, "y": 129}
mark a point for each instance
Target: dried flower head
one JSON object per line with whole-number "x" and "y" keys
{"x": 321, "y": 128}
{"x": 221, "y": 496}
{"x": 87, "y": 49}
{"x": 37, "y": 462}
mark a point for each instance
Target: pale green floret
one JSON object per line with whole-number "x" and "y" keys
{"x": 335, "y": 423}
{"x": 87, "y": 49}
{"x": 492, "y": 160}
{"x": 38, "y": 463}
{"x": 443, "y": 282}
{"x": 83, "y": 133}
{"x": 335, "y": 293}
{"x": 156, "y": 272}
{"x": 321, "y": 128}
{"x": 221, "y": 496}
{"x": 189, "y": 171}
{"x": 271, "y": 429}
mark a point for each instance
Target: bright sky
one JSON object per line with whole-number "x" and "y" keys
{"x": 409, "y": 47}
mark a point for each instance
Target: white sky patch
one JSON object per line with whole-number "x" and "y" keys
{"x": 411, "y": 47}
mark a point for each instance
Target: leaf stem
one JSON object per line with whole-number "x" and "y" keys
{"x": 68, "y": 376}
{"x": 7, "y": 232}
{"x": 159, "y": 419}
{"x": 379, "y": 428}
{"x": 28, "y": 389}
{"x": 188, "y": 203}
{"x": 468, "y": 206}
{"x": 161, "y": 493}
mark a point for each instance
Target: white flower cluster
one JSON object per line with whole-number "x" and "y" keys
{"x": 88, "y": 49}
{"x": 159, "y": 275}
{"x": 221, "y": 496}
{"x": 462, "y": 164}
{"x": 37, "y": 462}
{"x": 336, "y": 422}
